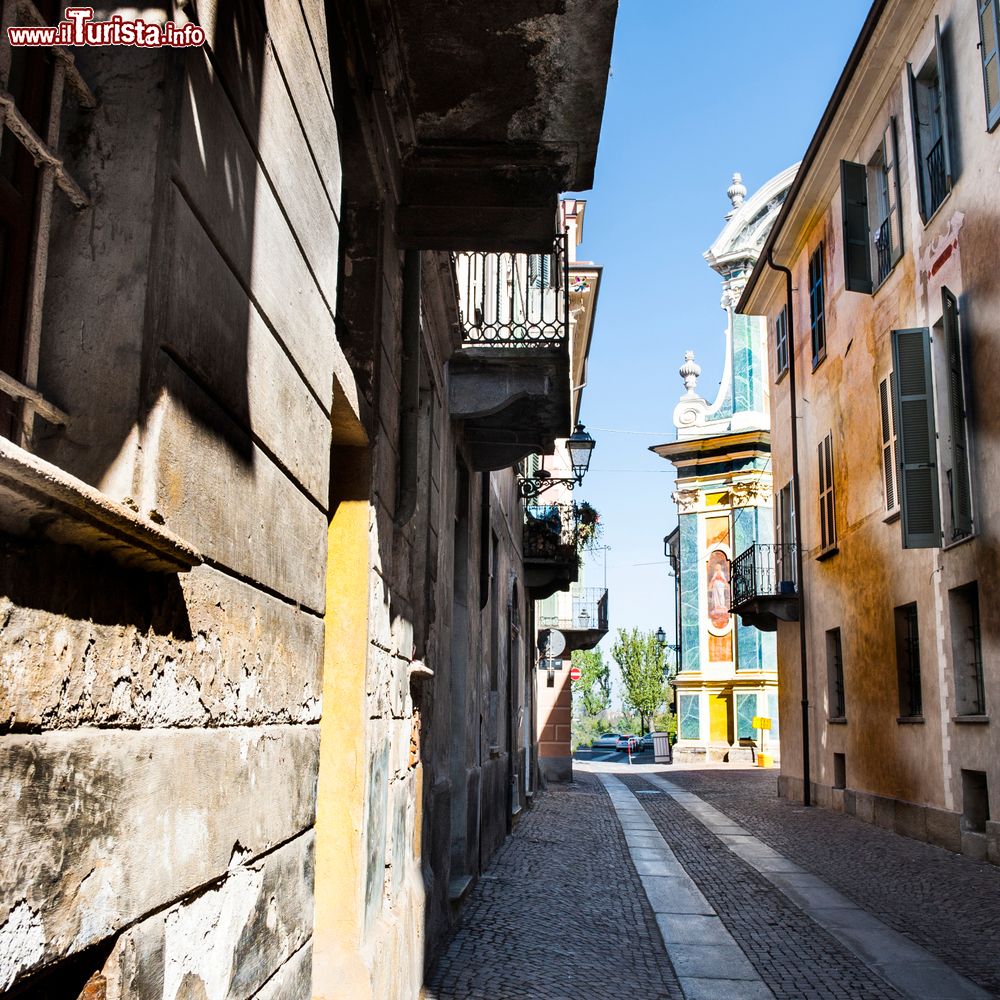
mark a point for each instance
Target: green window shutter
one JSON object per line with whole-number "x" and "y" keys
{"x": 961, "y": 489}
{"x": 989, "y": 49}
{"x": 918, "y": 157}
{"x": 781, "y": 340}
{"x": 888, "y": 456}
{"x": 896, "y": 212}
{"x": 942, "y": 70}
{"x": 913, "y": 406}
{"x": 854, "y": 197}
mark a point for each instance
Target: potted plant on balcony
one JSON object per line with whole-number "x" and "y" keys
{"x": 589, "y": 526}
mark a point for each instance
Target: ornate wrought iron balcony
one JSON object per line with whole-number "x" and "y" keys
{"x": 510, "y": 382}
{"x": 765, "y": 586}
{"x": 514, "y": 299}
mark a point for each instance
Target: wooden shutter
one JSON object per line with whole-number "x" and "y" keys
{"x": 913, "y": 410}
{"x": 827, "y": 514}
{"x": 885, "y": 392}
{"x": 781, "y": 340}
{"x": 854, "y": 198}
{"x": 942, "y": 71}
{"x": 896, "y": 211}
{"x": 961, "y": 490}
{"x": 918, "y": 157}
{"x": 989, "y": 49}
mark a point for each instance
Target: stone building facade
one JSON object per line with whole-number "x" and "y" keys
{"x": 264, "y": 663}
{"x": 726, "y": 669}
{"x": 883, "y": 361}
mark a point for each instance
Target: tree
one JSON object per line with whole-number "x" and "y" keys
{"x": 641, "y": 661}
{"x": 594, "y": 684}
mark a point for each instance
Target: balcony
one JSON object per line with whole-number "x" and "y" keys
{"x": 550, "y": 547}
{"x": 764, "y": 586}
{"x": 588, "y": 623}
{"x": 510, "y": 380}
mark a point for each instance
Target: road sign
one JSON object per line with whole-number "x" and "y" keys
{"x": 575, "y": 673}
{"x": 551, "y": 642}
{"x": 760, "y": 722}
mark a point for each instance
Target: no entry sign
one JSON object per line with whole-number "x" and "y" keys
{"x": 574, "y": 673}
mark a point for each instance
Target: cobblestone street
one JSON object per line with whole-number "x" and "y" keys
{"x": 755, "y": 896}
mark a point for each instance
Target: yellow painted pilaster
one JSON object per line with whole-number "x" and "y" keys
{"x": 338, "y": 969}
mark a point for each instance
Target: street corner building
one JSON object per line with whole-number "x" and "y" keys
{"x": 280, "y": 315}
{"x": 726, "y": 672}
{"x": 882, "y": 295}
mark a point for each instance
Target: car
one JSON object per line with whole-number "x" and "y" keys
{"x": 646, "y": 741}
{"x": 627, "y": 744}
{"x": 607, "y": 741}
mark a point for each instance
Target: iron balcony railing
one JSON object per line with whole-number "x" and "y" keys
{"x": 764, "y": 570}
{"x": 514, "y": 299}
{"x": 883, "y": 250}
{"x": 936, "y": 177}
{"x": 590, "y": 611}
{"x": 551, "y": 532}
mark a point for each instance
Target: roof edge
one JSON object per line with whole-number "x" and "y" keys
{"x": 812, "y": 150}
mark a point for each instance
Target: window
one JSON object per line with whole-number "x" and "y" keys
{"x": 967, "y": 650}
{"x": 954, "y": 437}
{"x": 827, "y": 507}
{"x": 837, "y": 708}
{"x": 929, "y": 116}
{"x": 921, "y": 451}
{"x": 817, "y": 306}
{"x": 746, "y": 709}
{"x": 784, "y": 557}
{"x": 884, "y": 200}
{"x": 989, "y": 48}
{"x": 539, "y": 270}
{"x": 890, "y": 452}
{"x": 689, "y": 724}
{"x": 781, "y": 341}
{"x": 975, "y": 801}
{"x": 30, "y": 168}
{"x": 908, "y": 662}
{"x": 854, "y": 209}
{"x": 839, "y": 770}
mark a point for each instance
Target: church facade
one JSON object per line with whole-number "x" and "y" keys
{"x": 726, "y": 671}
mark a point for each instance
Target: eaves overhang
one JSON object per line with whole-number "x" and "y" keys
{"x": 715, "y": 447}
{"x": 746, "y": 304}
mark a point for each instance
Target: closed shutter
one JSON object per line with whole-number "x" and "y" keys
{"x": 961, "y": 490}
{"x": 918, "y": 156}
{"x": 888, "y": 443}
{"x": 942, "y": 69}
{"x": 913, "y": 411}
{"x": 989, "y": 48}
{"x": 827, "y": 512}
{"x": 854, "y": 198}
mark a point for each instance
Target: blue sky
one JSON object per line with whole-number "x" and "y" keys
{"x": 697, "y": 92}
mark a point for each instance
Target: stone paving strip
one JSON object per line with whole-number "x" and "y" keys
{"x": 709, "y": 963}
{"x": 911, "y": 969}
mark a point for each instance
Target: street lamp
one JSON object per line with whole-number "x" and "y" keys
{"x": 661, "y": 638}
{"x": 580, "y": 446}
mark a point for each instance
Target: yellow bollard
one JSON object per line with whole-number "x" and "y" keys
{"x": 765, "y": 760}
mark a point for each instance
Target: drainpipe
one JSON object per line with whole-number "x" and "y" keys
{"x": 797, "y": 500}
{"x": 409, "y": 401}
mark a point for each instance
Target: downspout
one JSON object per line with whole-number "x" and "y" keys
{"x": 797, "y": 500}
{"x": 409, "y": 397}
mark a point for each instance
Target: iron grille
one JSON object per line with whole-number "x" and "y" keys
{"x": 883, "y": 250}
{"x": 514, "y": 299}
{"x": 590, "y": 611}
{"x": 936, "y": 179}
{"x": 764, "y": 570}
